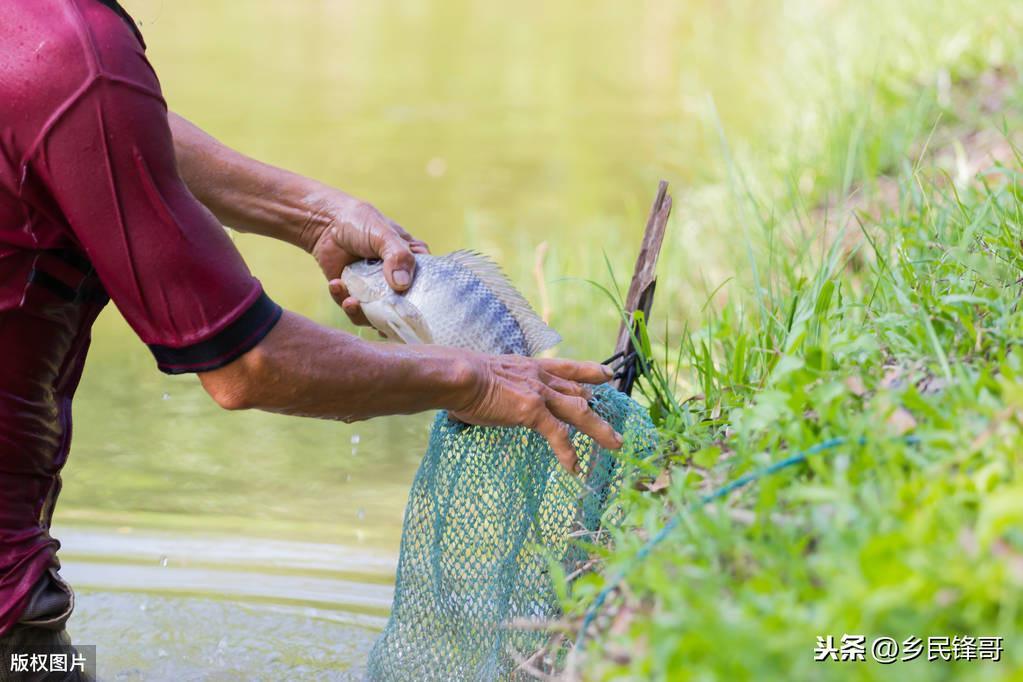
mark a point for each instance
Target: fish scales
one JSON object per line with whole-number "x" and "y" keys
{"x": 461, "y": 311}
{"x": 477, "y": 320}
{"x": 461, "y": 300}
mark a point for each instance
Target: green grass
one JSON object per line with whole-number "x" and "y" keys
{"x": 906, "y": 327}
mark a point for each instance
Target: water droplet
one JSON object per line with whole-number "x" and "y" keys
{"x": 360, "y": 513}
{"x": 163, "y": 560}
{"x": 162, "y": 653}
{"x": 356, "y": 438}
{"x": 348, "y": 477}
{"x": 166, "y": 396}
{"x": 355, "y": 451}
{"x": 143, "y": 606}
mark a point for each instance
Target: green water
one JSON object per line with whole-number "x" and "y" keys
{"x": 474, "y": 124}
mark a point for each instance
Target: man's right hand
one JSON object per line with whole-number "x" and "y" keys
{"x": 546, "y": 395}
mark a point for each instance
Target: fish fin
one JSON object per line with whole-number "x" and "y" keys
{"x": 539, "y": 336}
{"x": 399, "y": 320}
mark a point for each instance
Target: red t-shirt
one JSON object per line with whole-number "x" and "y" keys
{"x": 91, "y": 207}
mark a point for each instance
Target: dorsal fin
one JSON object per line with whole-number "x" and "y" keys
{"x": 539, "y": 336}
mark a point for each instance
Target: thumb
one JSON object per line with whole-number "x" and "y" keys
{"x": 399, "y": 263}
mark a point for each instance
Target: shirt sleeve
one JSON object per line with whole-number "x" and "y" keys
{"x": 171, "y": 269}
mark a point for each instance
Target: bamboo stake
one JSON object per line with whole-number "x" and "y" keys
{"x": 639, "y": 297}
{"x": 644, "y": 280}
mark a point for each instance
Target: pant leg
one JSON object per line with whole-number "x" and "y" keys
{"x": 41, "y": 628}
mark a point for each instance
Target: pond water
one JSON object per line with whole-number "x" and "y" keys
{"x": 208, "y": 545}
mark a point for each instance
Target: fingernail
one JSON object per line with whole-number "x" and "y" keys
{"x": 402, "y": 278}
{"x": 335, "y": 287}
{"x": 619, "y": 439}
{"x": 608, "y": 372}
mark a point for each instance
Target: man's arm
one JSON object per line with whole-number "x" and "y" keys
{"x": 183, "y": 287}
{"x": 246, "y": 194}
{"x": 109, "y": 164}
{"x": 251, "y": 196}
{"x": 301, "y": 368}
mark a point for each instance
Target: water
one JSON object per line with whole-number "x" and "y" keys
{"x": 197, "y": 606}
{"x": 209, "y": 545}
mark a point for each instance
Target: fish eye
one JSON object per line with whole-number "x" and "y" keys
{"x": 373, "y": 261}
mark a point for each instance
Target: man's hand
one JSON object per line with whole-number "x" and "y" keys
{"x": 546, "y": 395}
{"x": 350, "y": 230}
{"x": 336, "y": 228}
{"x": 303, "y": 369}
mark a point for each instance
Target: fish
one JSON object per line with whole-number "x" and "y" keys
{"x": 462, "y": 300}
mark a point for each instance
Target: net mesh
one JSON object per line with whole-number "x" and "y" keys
{"x": 489, "y": 510}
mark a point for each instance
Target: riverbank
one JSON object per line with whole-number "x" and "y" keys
{"x": 889, "y": 320}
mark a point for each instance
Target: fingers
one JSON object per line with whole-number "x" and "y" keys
{"x": 338, "y": 291}
{"x": 417, "y": 245}
{"x": 399, "y": 263}
{"x": 556, "y": 434}
{"x": 574, "y": 370}
{"x": 348, "y": 304}
{"x": 564, "y": 386}
{"x": 354, "y": 312}
{"x": 521, "y": 392}
{"x": 577, "y": 412}
{"x": 371, "y": 234}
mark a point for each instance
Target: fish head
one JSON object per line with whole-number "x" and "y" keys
{"x": 365, "y": 281}
{"x": 389, "y": 312}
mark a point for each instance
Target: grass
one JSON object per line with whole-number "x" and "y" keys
{"x": 899, "y": 336}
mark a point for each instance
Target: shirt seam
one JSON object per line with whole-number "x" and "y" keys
{"x": 77, "y": 98}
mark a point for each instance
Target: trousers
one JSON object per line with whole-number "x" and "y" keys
{"x": 42, "y": 628}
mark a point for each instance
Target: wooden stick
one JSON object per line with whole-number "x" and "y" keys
{"x": 640, "y": 297}
{"x": 644, "y": 280}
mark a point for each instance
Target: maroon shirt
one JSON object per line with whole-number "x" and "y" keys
{"x": 91, "y": 206}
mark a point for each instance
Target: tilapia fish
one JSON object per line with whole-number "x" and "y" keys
{"x": 461, "y": 299}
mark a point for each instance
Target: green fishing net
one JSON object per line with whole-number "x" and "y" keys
{"x": 489, "y": 510}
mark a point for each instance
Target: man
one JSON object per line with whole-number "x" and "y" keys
{"x": 103, "y": 193}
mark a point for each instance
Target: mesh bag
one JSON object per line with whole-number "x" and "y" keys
{"x": 489, "y": 509}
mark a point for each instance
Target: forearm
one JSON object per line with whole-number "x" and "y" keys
{"x": 302, "y": 368}
{"x": 245, "y": 194}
